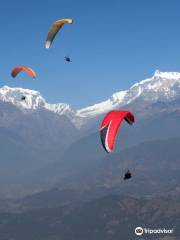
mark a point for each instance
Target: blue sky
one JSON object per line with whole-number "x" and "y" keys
{"x": 113, "y": 44}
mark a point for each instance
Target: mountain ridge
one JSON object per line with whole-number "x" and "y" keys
{"x": 162, "y": 86}
{"x": 54, "y": 133}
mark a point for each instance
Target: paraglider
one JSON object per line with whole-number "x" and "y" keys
{"x": 56, "y": 26}
{"x": 23, "y": 98}
{"x": 127, "y": 175}
{"x": 67, "y": 59}
{"x": 110, "y": 125}
{"x": 18, "y": 69}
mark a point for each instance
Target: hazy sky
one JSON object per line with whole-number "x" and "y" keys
{"x": 112, "y": 44}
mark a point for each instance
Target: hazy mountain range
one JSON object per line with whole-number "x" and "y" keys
{"x": 45, "y": 145}
{"x": 57, "y": 182}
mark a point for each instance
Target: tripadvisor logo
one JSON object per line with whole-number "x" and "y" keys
{"x": 140, "y": 231}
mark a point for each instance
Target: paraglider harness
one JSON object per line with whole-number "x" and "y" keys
{"x": 23, "y": 98}
{"x": 67, "y": 59}
{"x": 127, "y": 175}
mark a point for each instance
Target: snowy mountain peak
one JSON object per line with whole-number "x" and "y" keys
{"x": 61, "y": 109}
{"x": 13, "y": 95}
{"x": 169, "y": 75}
{"x": 99, "y": 108}
{"x": 33, "y": 100}
{"x": 158, "y": 75}
{"x": 162, "y": 86}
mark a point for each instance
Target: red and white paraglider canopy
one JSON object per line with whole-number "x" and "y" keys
{"x": 110, "y": 125}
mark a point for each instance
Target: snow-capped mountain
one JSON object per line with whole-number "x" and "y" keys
{"x": 33, "y": 100}
{"x": 35, "y": 135}
{"x": 162, "y": 86}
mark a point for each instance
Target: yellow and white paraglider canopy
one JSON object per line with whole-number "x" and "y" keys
{"x": 56, "y": 26}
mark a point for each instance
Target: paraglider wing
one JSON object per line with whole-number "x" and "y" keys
{"x": 18, "y": 69}
{"x": 55, "y": 29}
{"x": 110, "y": 126}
